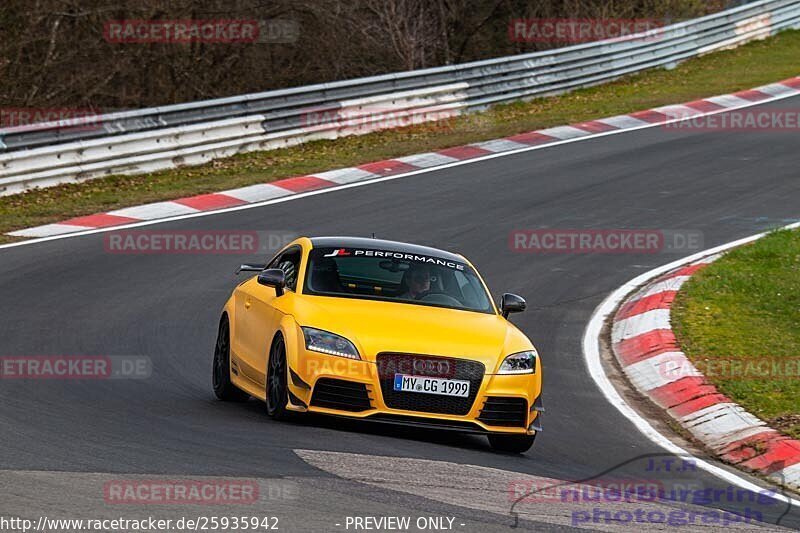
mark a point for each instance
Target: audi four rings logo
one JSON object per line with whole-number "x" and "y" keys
{"x": 418, "y": 366}
{"x": 430, "y": 366}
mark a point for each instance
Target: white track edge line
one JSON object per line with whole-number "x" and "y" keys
{"x": 385, "y": 178}
{"x": 591, "y": 352}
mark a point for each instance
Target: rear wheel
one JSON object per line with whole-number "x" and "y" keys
{"x": 221, "y": 374}
{"x": 511, "y": 443}
{"x": 277, "y": 392}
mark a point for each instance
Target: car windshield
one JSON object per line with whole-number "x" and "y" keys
{"x": 395, "y": 276}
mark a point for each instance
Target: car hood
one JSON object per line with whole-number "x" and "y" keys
{"x": 376, "y": 326}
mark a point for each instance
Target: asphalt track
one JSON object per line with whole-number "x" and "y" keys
{"x": 61, "y": 439}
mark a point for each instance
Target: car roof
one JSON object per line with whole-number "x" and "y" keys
{"x": 380, "y": 244}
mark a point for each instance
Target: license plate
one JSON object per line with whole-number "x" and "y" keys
{"x": 429, "y": 385}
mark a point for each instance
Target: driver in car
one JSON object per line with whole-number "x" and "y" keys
{"x": 416, "y": 282}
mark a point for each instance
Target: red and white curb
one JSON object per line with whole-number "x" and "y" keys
{"x": 646, "y": 348}
{"x": 259, "y": 193}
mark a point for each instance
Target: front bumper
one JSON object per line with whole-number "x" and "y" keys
{"x": 337, "y": 386}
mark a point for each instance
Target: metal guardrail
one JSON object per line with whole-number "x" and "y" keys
{"x": 150, "y": 139}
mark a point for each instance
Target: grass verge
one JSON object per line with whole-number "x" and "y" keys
{"x": 754, "y": 64}
{"x": 745, "y": 308}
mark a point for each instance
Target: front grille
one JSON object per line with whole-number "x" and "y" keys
{"x": 502, "y": 411}
{"x": 390, "y": 364}
{"x": 340, "y": 394}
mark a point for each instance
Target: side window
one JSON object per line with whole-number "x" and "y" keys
{"x": 289, "y": 262}
{"x": 468, "y": 290}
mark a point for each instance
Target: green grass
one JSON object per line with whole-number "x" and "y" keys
{"x": 751, "y": 65}
{"x": 747, "y": 305}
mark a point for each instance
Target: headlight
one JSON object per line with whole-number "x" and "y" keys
{"x": 326, "y": 342}
{"x": 519, "y": 363}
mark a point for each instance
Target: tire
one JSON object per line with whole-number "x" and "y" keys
{"x": 511, "y": 443}
{"x": 277, "y": 392}
{"x": 221, "y": 372}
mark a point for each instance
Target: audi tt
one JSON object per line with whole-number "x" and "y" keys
{"x": 382, "y": 331}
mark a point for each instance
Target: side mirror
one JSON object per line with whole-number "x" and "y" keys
{"x": 511, "y": 303}
{"x": 273, "y": 277}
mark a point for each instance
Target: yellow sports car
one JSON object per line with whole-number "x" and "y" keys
{"x": 382, "y": 331}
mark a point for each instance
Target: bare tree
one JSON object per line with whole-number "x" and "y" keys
{"x": 56, "y": 53}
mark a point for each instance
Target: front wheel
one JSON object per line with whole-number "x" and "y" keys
{"x": 511, "y": 443}
{"x": 277, "y": 392}
{"x": 221, "y": 376}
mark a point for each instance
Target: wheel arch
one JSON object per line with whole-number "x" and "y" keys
{"x": 227, "y": 311}
{"x": 292, "y": 335}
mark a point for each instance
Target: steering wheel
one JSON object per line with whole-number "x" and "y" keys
{"x": 439, "y": 298}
